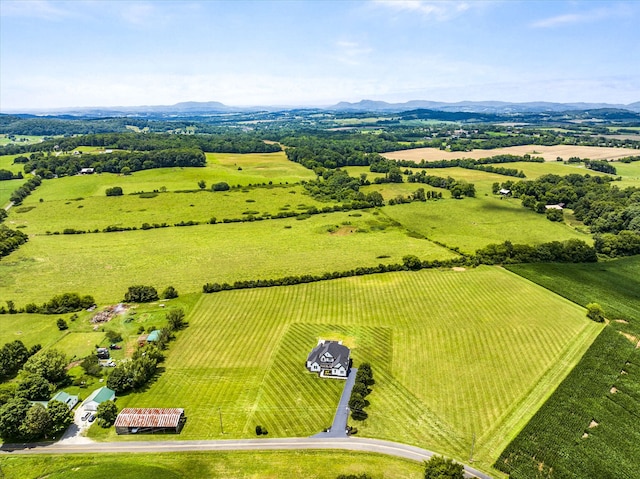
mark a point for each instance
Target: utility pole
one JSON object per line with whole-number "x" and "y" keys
{"x": 221, "y": 427}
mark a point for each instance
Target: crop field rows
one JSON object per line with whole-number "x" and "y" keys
{"x": 452, "y": 354}
{"x": 588, "y": 426}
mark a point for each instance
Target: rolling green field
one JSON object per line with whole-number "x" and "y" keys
{"x": 452, "y": 354}
{"x": 106, "y": 264}
{"x": 98, "y": 212}
{"x": 472, "y": 223}
{"x": 255, "y": 169}
{"x": 245, "y": 465}
{"x": 630, "y": 173}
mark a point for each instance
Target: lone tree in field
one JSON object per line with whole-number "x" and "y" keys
{"x": 595, "y": 312}
{"x": 202, "y": 184}
{"x": 440, "y": 468}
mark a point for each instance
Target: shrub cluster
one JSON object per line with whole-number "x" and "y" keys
{"x": 60, "y": 304}
{"x": 357, "y": 401}
{"x": 10, "y": 240}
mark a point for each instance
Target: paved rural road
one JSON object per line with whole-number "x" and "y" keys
{"x": 350, "y": 444}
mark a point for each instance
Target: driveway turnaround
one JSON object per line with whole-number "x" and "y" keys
{"x": 339, "y": 426}
{"x": 349, "y": 443}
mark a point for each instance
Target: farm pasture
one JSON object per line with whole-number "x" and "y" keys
{"x": 630, "y": 173}
{"x": 256, "y": 169}
{"x": 472, "y": 223}
{"x": 549, "y": 153}
{"x": 105, "y": 264}
{"x": 452, "y": 355}
{"x": 98, "y": 212}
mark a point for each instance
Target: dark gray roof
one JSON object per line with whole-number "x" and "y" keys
{"x": 339, "y": 352}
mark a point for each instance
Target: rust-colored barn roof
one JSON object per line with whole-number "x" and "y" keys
{"x": 149, "y": 417}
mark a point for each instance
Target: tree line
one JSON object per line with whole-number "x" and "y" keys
{"x": 570, "y": 251}
{"x": 211, "y": 143}
{"x": 122, "y": 162}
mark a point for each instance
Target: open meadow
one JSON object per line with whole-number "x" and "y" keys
{"x": 98, "y": 212}
{"x": 472, "y": 223}
{"x": 549, "y": 153}
{"x": 104, "y": 265}
{"x": 452, "y": 355}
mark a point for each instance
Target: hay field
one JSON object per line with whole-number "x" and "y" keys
{"x": 549, "y": 153}
{"x": 452, "y": 355}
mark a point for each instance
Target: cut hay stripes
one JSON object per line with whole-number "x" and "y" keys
{"x": 453, "y": 354}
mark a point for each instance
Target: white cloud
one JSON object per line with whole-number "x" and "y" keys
{"x": 588, "y": 16}
{"x": 351, "y": 53}
{"x": 43, "y": 9}
{"x": 439, "y": 10}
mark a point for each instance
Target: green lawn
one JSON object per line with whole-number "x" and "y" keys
{"x": 198, "y": 465}
{"x": 452, "y": 354}
{"x": 104, "y": 265}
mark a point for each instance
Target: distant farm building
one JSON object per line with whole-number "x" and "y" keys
{"x": 505, "y": 192}
{"x": 559, "y": 206}
{"x": 65, "y": 398}
{"x": 150, "y": 421}
{"x": 87, "y": 171}
{"x": 152, "y": 337}
{"x": 97, "y": 397}
{"x": 330, "y": 359}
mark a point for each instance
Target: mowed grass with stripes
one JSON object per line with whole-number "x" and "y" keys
{"x": 455, "y": 355}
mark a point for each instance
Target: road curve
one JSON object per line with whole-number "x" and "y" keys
{"x": 352, "y": 444}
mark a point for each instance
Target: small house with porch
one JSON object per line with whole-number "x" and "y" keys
{"x": 330, "y": 359}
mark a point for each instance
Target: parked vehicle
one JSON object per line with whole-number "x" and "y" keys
{"x": 86, "y": 416}
{"x": 92, "y": 418}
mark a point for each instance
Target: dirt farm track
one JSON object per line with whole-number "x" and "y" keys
{"x": 549, "y": 153}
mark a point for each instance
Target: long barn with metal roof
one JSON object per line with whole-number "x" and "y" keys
{"x": 150, "y": 420}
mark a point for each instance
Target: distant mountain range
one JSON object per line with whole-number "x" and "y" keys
{"x": 480, "y": 106}
{"x": 214, "y": 107}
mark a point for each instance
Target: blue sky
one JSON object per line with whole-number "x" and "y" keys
{"x": 122, "y": 53}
